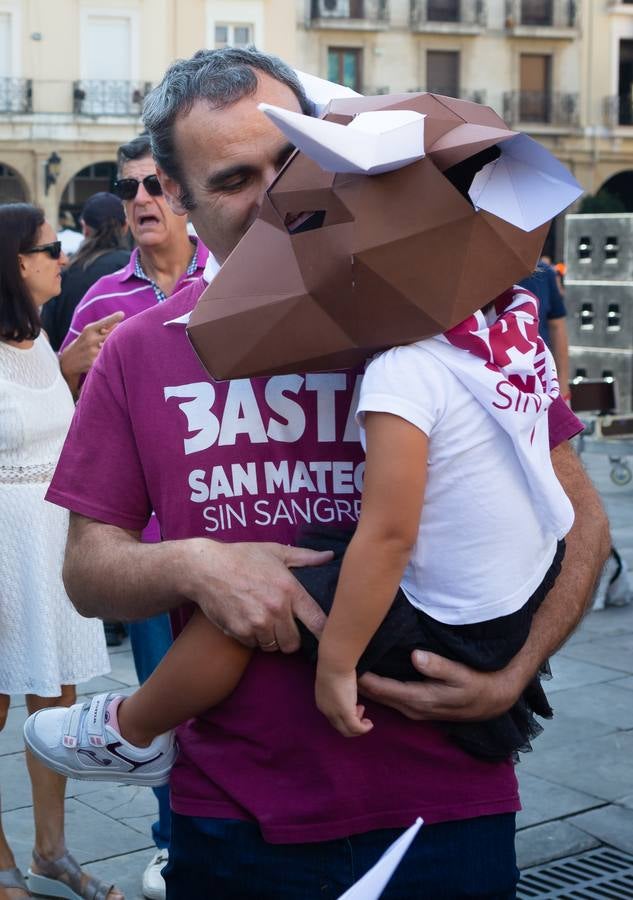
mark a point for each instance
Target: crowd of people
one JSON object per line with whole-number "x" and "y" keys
{"x": 268, "y": 797}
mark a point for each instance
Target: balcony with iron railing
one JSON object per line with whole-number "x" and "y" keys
{"x": 16, "y": 95}
{"x": 475, "y": 96}
{"x": 95, "y": 97}
{"x": 357, "y": 15}
{"x": 618, "y": 111}
{"x": 448, "y": 16}
{"x": 542, "y": 18}
{"x": 370, "y": 90}
{"x": 534, "y": 108}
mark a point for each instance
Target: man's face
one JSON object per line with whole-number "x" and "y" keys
{"x": 229, "y": 157}
{"x": 151, "y": 221}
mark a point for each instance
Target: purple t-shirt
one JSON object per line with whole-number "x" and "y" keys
{"x": 124, "y": 290}
{"x": 251, "y": 461}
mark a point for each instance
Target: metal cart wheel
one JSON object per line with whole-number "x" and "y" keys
{"x": 620, "y": 473}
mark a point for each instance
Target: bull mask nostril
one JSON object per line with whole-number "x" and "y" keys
{"x": 297, "y": 223}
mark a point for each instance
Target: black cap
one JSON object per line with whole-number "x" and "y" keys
{"x": 102, "y": 207}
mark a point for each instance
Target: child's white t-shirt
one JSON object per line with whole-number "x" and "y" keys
{"x": 481, "y": 550}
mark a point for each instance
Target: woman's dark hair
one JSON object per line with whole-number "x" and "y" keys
{"x": 109, "y": 236}
{"x": 19, "y": 316}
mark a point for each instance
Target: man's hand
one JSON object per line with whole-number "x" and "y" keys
{"x": 451, "y": 692}
{"x": 79, "y": 356}
{"x": 248, "y": 591}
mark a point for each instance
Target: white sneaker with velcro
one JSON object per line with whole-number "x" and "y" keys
{"x": 80, "y": 742}
{"x": 153, "y": 883}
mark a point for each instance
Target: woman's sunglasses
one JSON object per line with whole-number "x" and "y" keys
{"x": 127, "y": 188}
{"x": 54, "y": 249}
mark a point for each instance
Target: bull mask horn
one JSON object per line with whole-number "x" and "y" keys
{"x": 372, "y": 143}
{"x": 321, "y": 92}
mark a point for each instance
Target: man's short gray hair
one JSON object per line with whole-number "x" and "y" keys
{"x": 138, "y": 148}
{"x": 220, "y": 77}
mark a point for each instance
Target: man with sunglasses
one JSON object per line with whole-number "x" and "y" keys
{"x": 268, "y": 801}
{"x": 165, "y": 257}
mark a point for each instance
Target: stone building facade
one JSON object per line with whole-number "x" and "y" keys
{"x": 561, "y": 70}
{"x": 73, "y": 75}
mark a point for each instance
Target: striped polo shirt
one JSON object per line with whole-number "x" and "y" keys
{"x": 130, "y": 290}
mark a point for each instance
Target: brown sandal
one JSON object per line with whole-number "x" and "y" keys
{"x": 14, "y": 879}
{"x": 63, "y": 878}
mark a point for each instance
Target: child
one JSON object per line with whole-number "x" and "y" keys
{"x": 460, "y": 508}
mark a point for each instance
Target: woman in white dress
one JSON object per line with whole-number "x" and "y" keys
{"x": 46, "y": 647}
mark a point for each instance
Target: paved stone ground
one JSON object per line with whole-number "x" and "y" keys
{"x": 108, "y": 827}
{"x": 577, "y": 786}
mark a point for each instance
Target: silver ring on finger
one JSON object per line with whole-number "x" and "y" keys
{"x": 271, "y": 645}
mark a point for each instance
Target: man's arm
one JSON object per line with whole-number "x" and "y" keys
{"x": 77, "y": 357}
{"x": 559, "y": 342}
{"x": 245, "y": 589}
{"x": 454, "y": 692}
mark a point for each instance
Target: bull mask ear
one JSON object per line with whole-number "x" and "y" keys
{"x": 372, "y": 143}
{"x": 526, "y": 185}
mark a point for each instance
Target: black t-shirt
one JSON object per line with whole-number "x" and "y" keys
{"x": 57, "y": 313}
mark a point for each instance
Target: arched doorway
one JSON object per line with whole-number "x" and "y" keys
{"x": 12, "y": 187}
{"x": 620, "y": 186}
{"x": 99, "y": 176}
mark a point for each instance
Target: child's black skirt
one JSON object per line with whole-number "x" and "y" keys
{"x": 486, "y": 646}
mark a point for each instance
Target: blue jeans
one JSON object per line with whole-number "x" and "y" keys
{"x": 150, "y": 640}
{"x": 223, "y": 859}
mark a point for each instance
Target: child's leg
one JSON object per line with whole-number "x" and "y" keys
{"x": 199, "y": 670}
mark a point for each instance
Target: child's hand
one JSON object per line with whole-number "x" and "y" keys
{"x": 336, "y": 697}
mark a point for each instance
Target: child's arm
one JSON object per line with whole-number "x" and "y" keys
{"x": 393, "y": 491}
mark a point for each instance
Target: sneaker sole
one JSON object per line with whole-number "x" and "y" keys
{"x": 153, "y": 779}
{"x": 151, "y": 893}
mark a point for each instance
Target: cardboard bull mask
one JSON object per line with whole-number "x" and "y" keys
{"x": 342, "y": 262}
